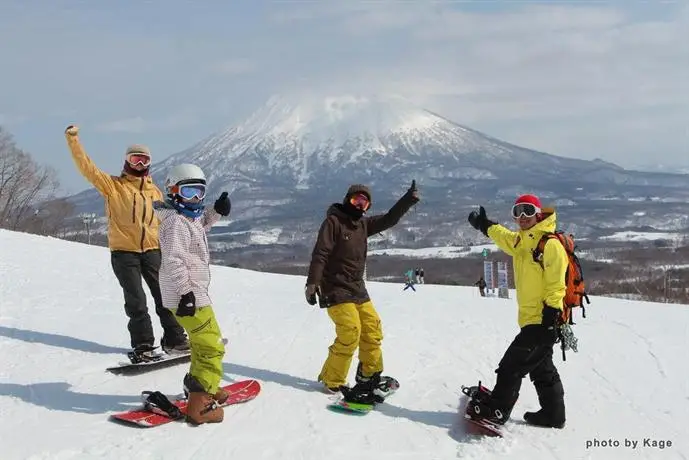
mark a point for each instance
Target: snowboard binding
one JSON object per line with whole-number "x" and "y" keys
{"x": 158, "y": 403}
{"x": 145, "y": 356}
{"x": 371, "y": 392}
{"x": 479, "y": 408}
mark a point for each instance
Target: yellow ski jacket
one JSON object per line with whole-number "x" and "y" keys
{"x": 132, "y": 225}
{"x": 535, "y": 285}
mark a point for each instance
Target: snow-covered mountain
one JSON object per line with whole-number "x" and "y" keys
{"x": 295, "y": 155}
{"x": 304, "y": 142}
{"x": 62, "y": 324}
{"x": 308, "y": 141}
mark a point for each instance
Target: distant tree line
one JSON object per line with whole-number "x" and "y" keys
{"x": 28, "y": 201}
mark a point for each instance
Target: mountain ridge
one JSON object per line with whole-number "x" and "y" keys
{"x": 290, "y": 159}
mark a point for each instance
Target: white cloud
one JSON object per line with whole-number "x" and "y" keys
{"x": 549, "y": 76}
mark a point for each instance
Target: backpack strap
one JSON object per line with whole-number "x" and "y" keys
{"x": 540, "y": 248}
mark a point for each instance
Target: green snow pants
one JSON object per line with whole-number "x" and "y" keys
{"x": 207, "y": 347}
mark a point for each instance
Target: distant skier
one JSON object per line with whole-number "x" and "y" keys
{"x": 184, "y": 280}
{"x": 421, "y": 276}
{"x": 417, "y": 275}
{"x": 409, "y": 282}
{"x": 481, "y": 283}
{"x": 336, "y": 277}
{"x": 133, "y": 242}
{"x": 540, "y": 293}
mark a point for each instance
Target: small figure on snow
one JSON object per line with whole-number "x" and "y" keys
{"x": 540, "y": 293}
{"x": 421, "y": 279}
{"x": 409, "y": 281}
{"x": 481, "y": 283}
{"x": 336, "y": 278}
{"x": 184, "y": 280}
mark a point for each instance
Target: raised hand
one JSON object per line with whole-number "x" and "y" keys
{"x": 72, "y": 130}
{"x": 223, "y": 205}
{"x": 413, "y": 192}
{"x": 480, "y": 221}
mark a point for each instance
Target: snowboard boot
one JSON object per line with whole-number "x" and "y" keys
{"x": 202, "y": 408}
{"x": 221, "y": 396}
{"x": 551, "y": 396}
{"x": 175, "y": 347}
{"x": 144, "y": 353}
{"x": 332, "y": 389}
{"x": 190, "y": 385}
{"x": 370, "y": 389}
{"x": 543, "y": 419}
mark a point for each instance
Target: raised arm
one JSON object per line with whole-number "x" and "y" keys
{"x": 379, "y": 223}
{"x": 101, "y": 180}
{"x": 503, "y": 238}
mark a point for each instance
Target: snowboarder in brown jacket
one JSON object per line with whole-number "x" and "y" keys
{"x": 336, "y": 278}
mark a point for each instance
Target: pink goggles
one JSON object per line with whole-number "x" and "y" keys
{"x": 138, "y": 159}
{"x": 360, "y": 201}
{"x": 524, "y": 209}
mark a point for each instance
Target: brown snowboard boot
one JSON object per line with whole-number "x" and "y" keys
{"x": 221, "y": 396}
{"x": 202, "y": 408}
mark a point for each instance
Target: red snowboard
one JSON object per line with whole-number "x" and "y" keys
{"x": 239, "y": 392}
{"x": 475, "y": 425}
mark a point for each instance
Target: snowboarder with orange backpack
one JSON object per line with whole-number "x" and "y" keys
{"x": 541, "y": 286}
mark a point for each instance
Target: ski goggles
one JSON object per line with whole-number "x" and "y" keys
{"x": 189, "y": 191}
{"x": 524, "y": 209}
{"x": 360, "y": 201}
{"x": 138, "y": 159}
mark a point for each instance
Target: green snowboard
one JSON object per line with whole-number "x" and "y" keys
{"x": 349, "y": 407}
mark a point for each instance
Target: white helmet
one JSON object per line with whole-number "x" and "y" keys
{"x": 185, "y": 173}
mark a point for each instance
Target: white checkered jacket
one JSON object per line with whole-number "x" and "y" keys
{"x": 185, "y": 256}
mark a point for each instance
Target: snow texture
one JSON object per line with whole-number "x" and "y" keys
{"x": 62, "y": 323}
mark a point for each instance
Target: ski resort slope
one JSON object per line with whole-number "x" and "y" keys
{"x": 62, "y": 323}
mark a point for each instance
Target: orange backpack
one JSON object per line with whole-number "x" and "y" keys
{"x": 574, "y": 278}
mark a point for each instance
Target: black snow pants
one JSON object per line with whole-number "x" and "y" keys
{"x": 531, "y": 352}
{"x": 129, "y": 268}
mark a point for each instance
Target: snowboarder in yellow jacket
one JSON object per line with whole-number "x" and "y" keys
{"x": 133, "y": 242}
{"x": 540, "y": 293}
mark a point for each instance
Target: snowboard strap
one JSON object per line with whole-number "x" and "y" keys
{"x": 158, "y": 403}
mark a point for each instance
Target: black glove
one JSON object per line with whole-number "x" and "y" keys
{"x": 311, "y": 291}
{"x": 187, "y": 305}
{"x": 480, "y": 221}
{"x": 551, "y": 321}
{"x": 413, "y": 192}
{"x": 222, "y": 205}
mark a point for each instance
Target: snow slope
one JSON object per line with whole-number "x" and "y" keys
{"x": 61, "y": 324}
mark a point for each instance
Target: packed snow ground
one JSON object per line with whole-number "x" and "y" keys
{"x": 62, "y": 324}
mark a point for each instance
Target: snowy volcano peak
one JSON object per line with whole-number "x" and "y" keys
{"x": 304, "y": 139}
{"x": 343, "y": 117}
{"x": 297, "y": 132}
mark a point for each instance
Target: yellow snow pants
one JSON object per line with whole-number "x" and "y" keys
{"x": 356, "y": 326}
{"x": 207, "y": 347}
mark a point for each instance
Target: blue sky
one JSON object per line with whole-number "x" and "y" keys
{"x": 582, "y": 79}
